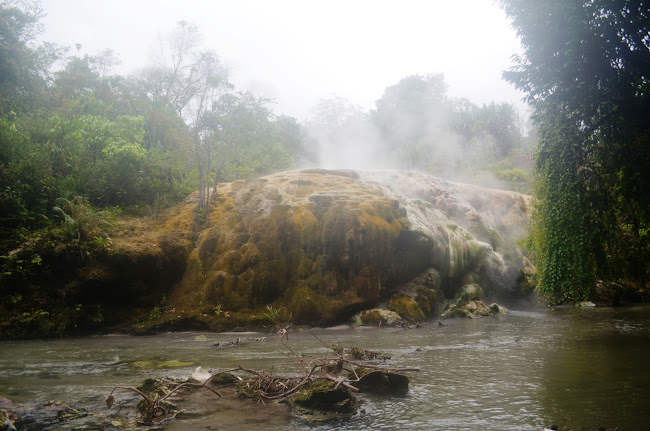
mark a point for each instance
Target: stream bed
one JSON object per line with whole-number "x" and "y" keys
{"x": 578, "y": 368}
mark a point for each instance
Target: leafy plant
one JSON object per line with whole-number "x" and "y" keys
{"x": 80, "y": 220}
{"x": 272, "y": 314}
{"x": 155, "y": 314}
{"x": 103, "y": 242}
{"x": 98, "y": 317}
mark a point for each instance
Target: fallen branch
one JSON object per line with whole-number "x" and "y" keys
{"x": 341, "y": 382}
{"x": 194, "y": 385}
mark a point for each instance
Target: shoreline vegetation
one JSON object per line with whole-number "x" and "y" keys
{"x": 165, "y": 273}
{"x": 99, "y": 229}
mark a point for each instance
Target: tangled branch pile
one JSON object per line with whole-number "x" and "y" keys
{"x": 322, "y": 386}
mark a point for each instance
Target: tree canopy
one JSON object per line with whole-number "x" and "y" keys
{"x": 139, "y": 141}
{"x": 585, "y": 72}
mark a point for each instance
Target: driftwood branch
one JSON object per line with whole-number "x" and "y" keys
{"x": 194, "y": 385}
{"x": 110, "y": 399}
{"x": 341, "y": 382}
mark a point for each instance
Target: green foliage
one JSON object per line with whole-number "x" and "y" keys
{"x": 584, "y": 70}
{"x": 518, "y": 179}
{"x": 81, "y": 221}
{"x": 22, "y": 64}
{"x": 246, "y": 140}
{"x": 79, "y": 145}
{"x": 272, "y": 314}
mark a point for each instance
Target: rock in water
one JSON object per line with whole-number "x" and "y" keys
{"x": 383, "y": 382}
{"x": 200, "y": 375}
{"x": 324, "y": 400}
{"x": 323, "y": 245}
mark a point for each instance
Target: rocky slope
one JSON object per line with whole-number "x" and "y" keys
{"x": 308, "y": 247}
{"x": 317, "y": 246}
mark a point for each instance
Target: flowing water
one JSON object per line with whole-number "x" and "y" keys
{"x": 577, "y": 368}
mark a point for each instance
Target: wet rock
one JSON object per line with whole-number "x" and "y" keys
{"x": 325, "y": 244}
{"x": 418, "y": 299}
{"x": 469, "y": 310}
{"x": 323, "y": 400}
{"x": 584, "y": 304}
{"x": 469, "y": 292}
{"x": 497, "y": 309}
{"x": 45, "y": 415}
{"x": 377, "y": 317}
{"x": 382, "y": 382}
{"x": 472, "y": 309}
{"x": 224, "y": 379}
{"x": 359, "y": 353}
{"x": 200, "y": 375}
{"x": 407, "y": 308}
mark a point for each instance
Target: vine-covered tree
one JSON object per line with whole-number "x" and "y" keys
{"x": 585, "y": 71}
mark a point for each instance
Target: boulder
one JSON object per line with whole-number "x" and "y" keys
{"x": 324, "y": 400}
{"x": 323, "y": 245}
{"x": 377, "y": 317}
{"x": 497, "y": 309}
{"x": 382, "y": 382}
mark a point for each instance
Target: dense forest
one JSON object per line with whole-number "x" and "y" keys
{"x": 81, "y": 146}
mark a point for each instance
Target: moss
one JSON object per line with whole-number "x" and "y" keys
{"x": 250, "y": 256}
{"x": 268, "y": 282}
{"x": 372, "y": 318}
{"x": 469, "y": 292}
{"x": 307, "y": 225}
{"x": 246, "y": 388}
{"x": 307, "y": 306}
{"x": 407, "y": 308}
{"x": 304, "y": 269}
{"x": 224, "y": 379}
{"x": 228, "y": 262}
{"x": 427, "y": 300}
{"x": 324, "y": 396}
{"x": 175, "y": 364}
{"x": 377, "y": 317}
{"x": 207, "y": 246}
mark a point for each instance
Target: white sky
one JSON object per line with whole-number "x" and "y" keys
{"x": 298, "y": 52}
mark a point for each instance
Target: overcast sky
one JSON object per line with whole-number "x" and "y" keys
{"x": 298, "y": 52}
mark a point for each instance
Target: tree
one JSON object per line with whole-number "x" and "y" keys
{"x": 246, "y": 139}
{"x": 492, "y": 130}
{"x": 23, "y": 65}
{"x": 585, "y": 71}
{"x": 411, "y": 116}
{"x": 189, "y": 81}
{"x": 341, "y": 131}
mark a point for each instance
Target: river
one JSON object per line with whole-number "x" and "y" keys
{"x": 576, "y": 368}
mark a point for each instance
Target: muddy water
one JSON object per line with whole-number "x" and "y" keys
{"x": 586, "y": 368}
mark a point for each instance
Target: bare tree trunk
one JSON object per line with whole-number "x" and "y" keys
{"x": 216, "y": 182}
